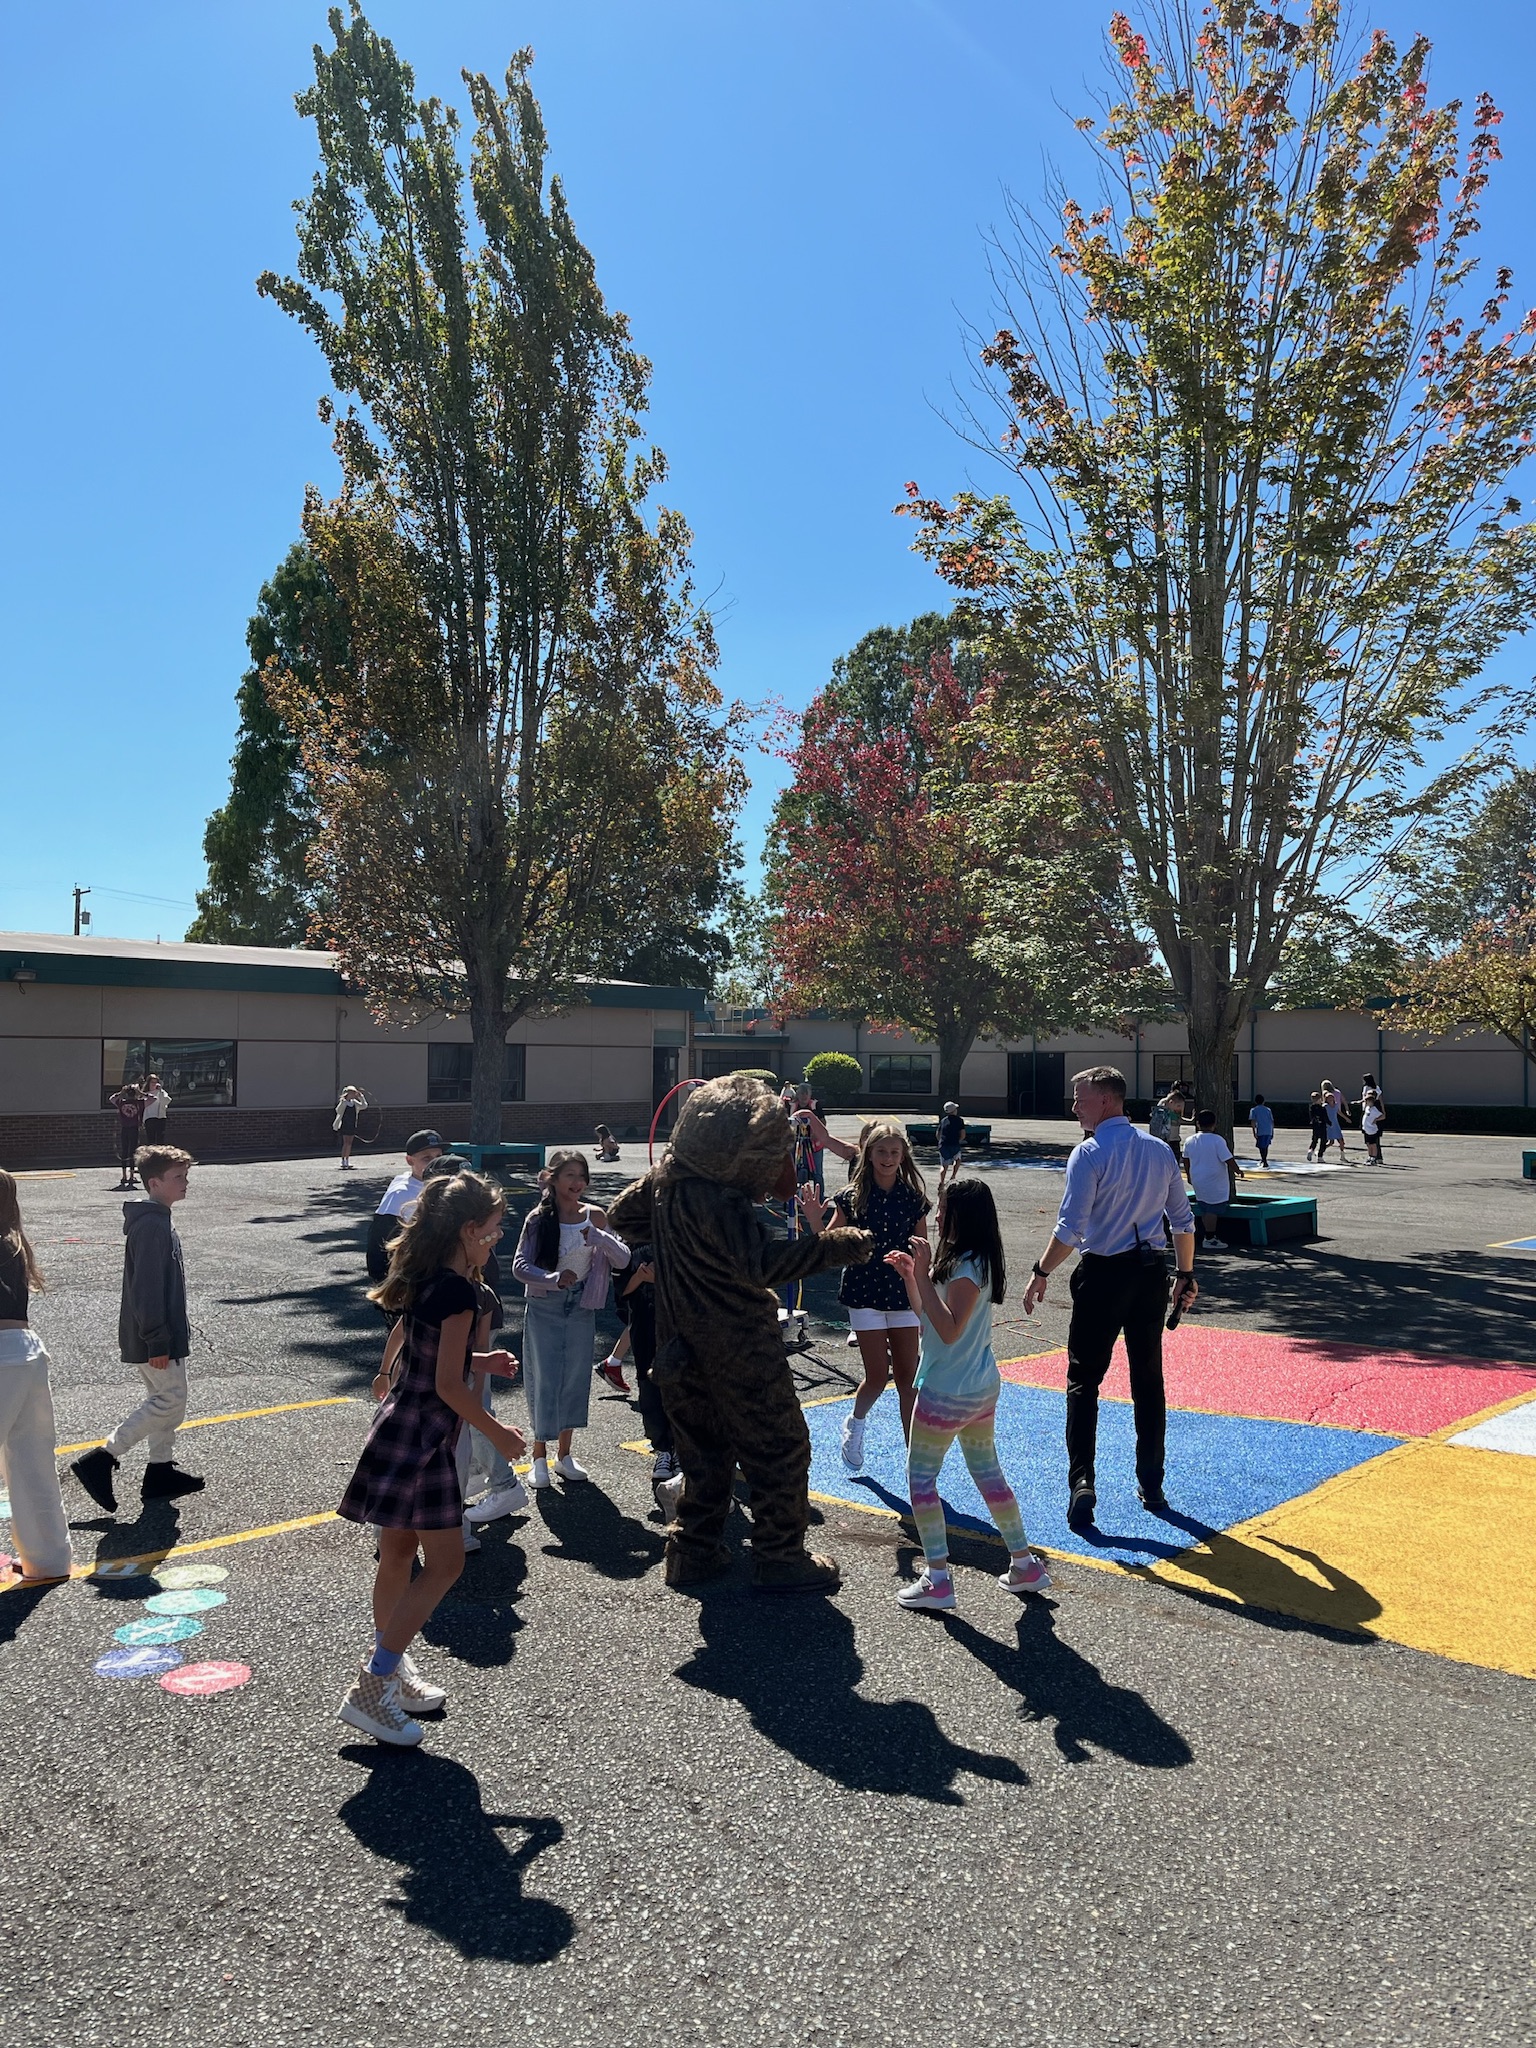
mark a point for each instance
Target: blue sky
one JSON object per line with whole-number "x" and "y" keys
{"x": 789, "y": 201}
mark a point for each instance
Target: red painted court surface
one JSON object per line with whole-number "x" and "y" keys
{"x": 1296, "y": 1379}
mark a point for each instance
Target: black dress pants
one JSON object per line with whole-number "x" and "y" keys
{"x": 1129, "y": 1294}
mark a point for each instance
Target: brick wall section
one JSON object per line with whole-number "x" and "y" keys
{"x": 35, "y": 1141}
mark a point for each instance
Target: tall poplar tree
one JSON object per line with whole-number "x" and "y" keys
{"x": 1264, "y": 538}
{"x": 529, "y": 734}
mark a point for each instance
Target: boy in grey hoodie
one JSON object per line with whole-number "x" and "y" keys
{"x": 152, "y": 1334}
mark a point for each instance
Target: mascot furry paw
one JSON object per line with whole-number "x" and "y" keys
{"x": 720, "y": 1362}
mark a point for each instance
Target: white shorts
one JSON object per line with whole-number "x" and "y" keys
{"x": 883, "y": 1319}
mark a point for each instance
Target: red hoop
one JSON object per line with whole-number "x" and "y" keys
{"x": 656, "y": 1119}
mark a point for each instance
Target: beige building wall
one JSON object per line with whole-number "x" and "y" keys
{"x": 49, "y": 1076}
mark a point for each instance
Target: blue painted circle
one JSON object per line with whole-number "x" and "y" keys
{"x": 194, "y": 1600}
{"x": 141, "y": 1663}
{"x": 172, "y": 1628}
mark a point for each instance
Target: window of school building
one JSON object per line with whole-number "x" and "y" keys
{"x": 901, "y": 1073}
{"x": 197, "y": 1073}
{"x": 450, "y": 1069}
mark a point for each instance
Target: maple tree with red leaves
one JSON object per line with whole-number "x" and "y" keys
{"x": 938, "y": 875}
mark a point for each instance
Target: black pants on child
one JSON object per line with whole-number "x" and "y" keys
{"x": 653, "y": 1413}
{"x": 1129, "y": 1294}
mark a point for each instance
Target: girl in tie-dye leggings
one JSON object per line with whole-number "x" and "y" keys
{"x": 958, "y": 1383}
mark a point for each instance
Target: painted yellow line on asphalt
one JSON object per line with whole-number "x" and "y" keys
{"x": 151, "y": 1559}
{"x": 57, "y": 1173}
{"x": 240, "y": 1415}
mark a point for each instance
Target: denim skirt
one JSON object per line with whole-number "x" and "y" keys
{"x": 558, "y": 1338}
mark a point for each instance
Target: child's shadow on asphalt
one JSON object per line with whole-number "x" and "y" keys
{"x": 589, "y": 1528}
{"x": 460, "y": 1881}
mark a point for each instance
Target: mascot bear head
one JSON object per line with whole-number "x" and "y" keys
{"x": 736, "y": 1131}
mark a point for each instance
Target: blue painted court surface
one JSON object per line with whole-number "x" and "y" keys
{"x": 1515, "y": 1244}
{"x": 1222, "y": 1469}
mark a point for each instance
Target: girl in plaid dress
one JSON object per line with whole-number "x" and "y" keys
{"x": 407, "y": 1479}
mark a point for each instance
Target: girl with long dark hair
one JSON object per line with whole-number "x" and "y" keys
{"x": 954, "y": 1290}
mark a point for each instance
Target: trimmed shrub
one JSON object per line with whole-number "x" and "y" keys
{"x": 834, "y": 1076}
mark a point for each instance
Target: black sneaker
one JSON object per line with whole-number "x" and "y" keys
{"x": 1080, "y": 1508}
{"x": 1152, "y": 1498}
{"x": 165, "y": 1482}
{"x": 94, "y": 1472}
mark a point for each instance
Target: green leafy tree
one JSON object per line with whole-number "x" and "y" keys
{"x": 530, "y": 674}
{"x": 1263, "y": 538}
{"x": 1477, "y": 872}
{"x": 257, "y": 844}
{"x": 1338, "y": 961}
{"x": 1486, "y": 983}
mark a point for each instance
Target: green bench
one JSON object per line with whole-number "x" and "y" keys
{"x": 928, "y": 1134}
{"x": 1258, "y": 1215}
{"x": 496, "y": 1159}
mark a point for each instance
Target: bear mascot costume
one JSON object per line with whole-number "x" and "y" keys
{"x": 720, "y": 1361}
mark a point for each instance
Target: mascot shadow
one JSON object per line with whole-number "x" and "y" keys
{"x": 460, "y": 1880}
{"x": 793, "y": 1665}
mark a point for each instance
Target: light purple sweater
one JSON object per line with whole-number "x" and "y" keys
{"x": 609, "y": 1254}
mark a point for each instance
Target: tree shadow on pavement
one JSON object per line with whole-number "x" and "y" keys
{"x": 460, "y": 1881}
{"x": 1057, "y": 1683}
{"x": 793, "y": 1665}
{"x": 590, "y": 1528}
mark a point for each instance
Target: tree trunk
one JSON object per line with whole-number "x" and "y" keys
{"x": 954, "y": 1043}
{"x": 1212, "y": 1045}
{"x": 488, "y": 1021}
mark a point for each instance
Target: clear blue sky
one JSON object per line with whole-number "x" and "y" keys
{"x": 789, "y": 200}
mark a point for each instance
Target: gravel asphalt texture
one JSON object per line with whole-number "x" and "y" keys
{"x": 1116, "y": 1815}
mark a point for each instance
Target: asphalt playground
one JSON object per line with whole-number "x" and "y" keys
{"x": 1259, "y": 1771}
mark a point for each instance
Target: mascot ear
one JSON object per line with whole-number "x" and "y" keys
{"x": 783, "y": 1189}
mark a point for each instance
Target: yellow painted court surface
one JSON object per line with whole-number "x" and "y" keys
{"x": 1432, "y": 1546}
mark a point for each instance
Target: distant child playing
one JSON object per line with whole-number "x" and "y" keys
{"x": 885, "y": 1195}
{"x": 564, "y": 1257}
{"x": 957, "y": 1387}
{"x": 951, "y": 1136}
{"x": 39, "y": 1527}
{"x": 153, "y": 1334}
{"x": 1211, "y": 1171}
{"x": 407, "y": 1480}
{"x": 1317, "y": 1124}
{"x": 1261, "y": 1121}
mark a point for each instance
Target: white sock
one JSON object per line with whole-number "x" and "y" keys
{"x": 939, "y": 1573}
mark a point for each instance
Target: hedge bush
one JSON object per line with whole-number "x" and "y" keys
{"x": 834, "y": 1076}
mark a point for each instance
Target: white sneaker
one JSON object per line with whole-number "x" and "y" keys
{"x": 568, "y": 1468}
{"x": 471, "y": 1540}
{"x": 539, "y": 1477}
{"x": 1025, "y": 1575}
{"x": 853, "y": 1443}
{"x": 373, "y": 1705}
{"x": 668, "y": 1493}
{"x": 925, "y": 1593}
{"x": 417, "y": 1694}
{"x": 506, "y": 1500}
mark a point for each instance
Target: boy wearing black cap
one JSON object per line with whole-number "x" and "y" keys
{"x": 421, "y": 1148}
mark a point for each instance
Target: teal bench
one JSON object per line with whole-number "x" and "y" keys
{"x": 495, "y": 1159}
{"x": 1296, "y": 1216}
{"x": 928, "y": 1134}
{"x": 1528, "y": 1165}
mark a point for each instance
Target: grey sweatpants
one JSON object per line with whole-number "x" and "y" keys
{"x": 158, "y": 1417}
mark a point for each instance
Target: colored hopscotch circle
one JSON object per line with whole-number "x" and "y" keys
{"x": 172, "y": 1629}
{"x": 137, "y": 1663}
{"x": 175, "y": 1578}
{"x": 10, "y": 1569}
{"x": 5, "y": 1507}
{"x": 194, "y": 1600}
{"x": 120, "y": 1568}
{"x": 198, "y": 1681}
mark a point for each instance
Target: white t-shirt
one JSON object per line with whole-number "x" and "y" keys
{"x": 156, "y": 1104}
{"x": 400, "y": 1197}
{"x": 1370, "y": 1118}
{"x": 575, "y": 1249}
{"x": 1208, "y": 1153}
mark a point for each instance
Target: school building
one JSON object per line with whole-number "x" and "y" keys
{"x": 1478, "y": 1080}
{"x": 254, "y": 1045}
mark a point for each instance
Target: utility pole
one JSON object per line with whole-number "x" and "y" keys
{"x": 82, "y": 917}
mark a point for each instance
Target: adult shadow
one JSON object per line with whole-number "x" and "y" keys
{"x": 1057, "y": 1683}
{"x": 589, "y": 1528}
{"x": 459, "y": 1881}
{"x": 143, "y": 1542}
{"x": 19, "y": 1603}
{"x": 1269, "y": 1590}
{"x": 478, "y": 1621}
{"x": 794, "y": 1667}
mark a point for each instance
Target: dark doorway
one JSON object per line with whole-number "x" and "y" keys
{"x": 664, "y": 1076}
{"x": 1037, "y": 1084}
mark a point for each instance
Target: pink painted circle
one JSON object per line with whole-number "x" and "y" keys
{"x": 202, "y": 1679}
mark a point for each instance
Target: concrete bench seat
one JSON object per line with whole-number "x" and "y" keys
{"x": 1270, "y": 1219}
